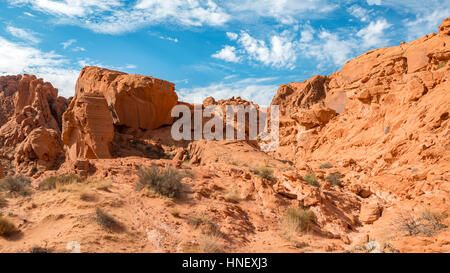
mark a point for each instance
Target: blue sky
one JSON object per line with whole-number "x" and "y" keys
{"x": 206, "y": 47}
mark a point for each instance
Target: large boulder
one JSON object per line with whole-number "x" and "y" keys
{"x": 106, "y": 101}
{"x": 42, "y": 146}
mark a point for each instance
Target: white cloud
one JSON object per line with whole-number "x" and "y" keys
{"x": 359, "y": 12}
{"x": 78, "y": 49}
{"x": 23, "y": 34}
{"x": 232, "y": 36}
{"x": 116, "y": 16}
{"x": 284, "y": 11}
{"x": 228, "y": 53}
{"x": 18, "y": 59}
{"x": 130, "y": 66}
{"x": 280, "y": 53}
{"x": 329, "y": 48}
{"x": 374, "y": 2}
{"x": 175, "y": 40}
{"x": 68, "y": 43}
{"x": 307, "y": 34}
{"x": 70, "y": 8}
{"x": 259, "y": 90}
{"x": 427, "y": 23}
{"x": 373, "y": 35}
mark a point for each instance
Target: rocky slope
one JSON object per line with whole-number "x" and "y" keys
{"x": 364, "y": 152}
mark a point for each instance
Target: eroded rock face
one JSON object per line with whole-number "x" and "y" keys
{"x": 107, "y": 100}
{"x": 42, "y": 146}
{"x": 30, "y": 108}
{"x": 389, "y": 134}
{"x": 2, "y": 172}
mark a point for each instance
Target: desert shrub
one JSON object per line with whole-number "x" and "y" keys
{"x": 98, "y": 183}
{"x": 232, "y": 196}
{"x": 264, "y": 172}
{"x": 326, "y": 166}
{"x": 428, "y": 223}
{"x": 38, "y": 249}
{"x": 52, "y": 182}
{"x": 387, "y": 129}
{"x": 432, "y": 222}
{"x": 297, "y": 219}
{"x": 442, "y": 65}
{"x": 197, "y": 219}
{"x": 311, "y": 179}
{"x": 175, "y": 212}
{"x": 7, "y": 228}
{"x": 107, "y": 221}
{"x": 209, "y": 227}
{"x": 211, "y": 244}
{"x": 16, "y": 185}
{"x": 334, "y": 178}
{"x": 166, "y": 182}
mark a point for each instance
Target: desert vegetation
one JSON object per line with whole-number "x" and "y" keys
{"x": 166, "y": 182}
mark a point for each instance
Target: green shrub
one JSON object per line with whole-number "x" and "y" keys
{"x": 264, "y": 172}
{"x": 16, "y": 185}
{"x": 326, "y": 166}
{"x": 311, "y": 179}
{"x": 166, "y": 182}
{"x": 334, "y": 178}
{"x": 442, "y": 65}
{"x": 7, "y": 228}
{"x": 52, "y": 182}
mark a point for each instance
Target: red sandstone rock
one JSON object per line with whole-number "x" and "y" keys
{"x": 37, "y": 110}
{"x": 105, "y": 100}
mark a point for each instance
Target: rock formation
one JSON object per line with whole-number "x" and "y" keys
{"x": 106, "y": 101}
{"x": 382, "y": 121}
{"x": 30, "y": 110}
{"x": 363, "y": 153}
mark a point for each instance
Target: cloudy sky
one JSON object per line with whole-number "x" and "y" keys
{"x": 206, "y": 47}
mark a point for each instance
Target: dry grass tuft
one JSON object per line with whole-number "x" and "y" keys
{"x": 233, "y": 196}
{"x": 58, "y": 182}
{"x": 7, "y": 228}
{"x": 165, "y": 182}
{"x": 297, "y": 219}
{"x": 16, "y": 185}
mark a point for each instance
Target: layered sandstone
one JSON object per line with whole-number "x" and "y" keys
{"x": 106, "y": 101}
